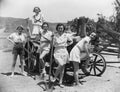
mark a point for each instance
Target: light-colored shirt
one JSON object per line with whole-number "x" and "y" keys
{"x": 38, "y": 17}
{"x": 37, "y": 21}
{"x": 61, "y": 41}
{"x": 45, "y": 40}
{"x": 15, "y": 37}
{"x": 82, "y": 42}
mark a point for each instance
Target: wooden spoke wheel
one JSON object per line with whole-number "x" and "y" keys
{"x": 29, "y": 56}
{"x": 95, "y": 66}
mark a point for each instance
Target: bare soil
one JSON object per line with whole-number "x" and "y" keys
{"x": 108, "y": 82}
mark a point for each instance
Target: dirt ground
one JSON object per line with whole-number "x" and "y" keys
{"x": 108, "y": 82}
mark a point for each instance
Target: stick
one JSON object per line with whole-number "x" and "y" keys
{"x": 28, "y": 44}
{"x": 28, "y": 29}
{"x": 118, "y": 2}
{"x": 51, "y": 60}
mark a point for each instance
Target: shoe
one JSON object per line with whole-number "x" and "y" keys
{"x": 12, "y": 75}
{"x": 55, "y": 79}
{"x": 77, "y": 84}
{"x": 61, "y": 85}
{"x": 24, "y": 74}
{"x": 80, "y": 83}
{"x": 42, "y": 76}
{"x": 55, "y": 82}
{"x": 47, "y": 64}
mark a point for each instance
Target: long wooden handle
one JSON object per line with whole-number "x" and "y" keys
{"x": 28, "y": 29}
{"x": 51, "y": 59}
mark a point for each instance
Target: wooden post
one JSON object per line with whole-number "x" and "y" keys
{"x": 118, "y": 2}
{"x": 118, "y": 50}
{"x": 82, "y": 29}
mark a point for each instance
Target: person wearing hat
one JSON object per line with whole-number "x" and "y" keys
{"x": 37, "y": 21}
{"x": 79, "y": 52}
{"x": 18, "y": 40}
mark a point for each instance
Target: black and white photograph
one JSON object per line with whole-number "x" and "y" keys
{"x": 59, "y": 45}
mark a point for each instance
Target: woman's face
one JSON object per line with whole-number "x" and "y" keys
{"x": 37, "y": 10}
{"x": 60, "y": 29}
{"x": 45, "y": 27}
{"x": 92, "y": 36}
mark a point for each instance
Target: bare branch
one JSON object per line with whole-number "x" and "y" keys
{"x": 118, "y": 2}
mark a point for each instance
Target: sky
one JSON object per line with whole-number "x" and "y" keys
{"x": 57, "y": 10}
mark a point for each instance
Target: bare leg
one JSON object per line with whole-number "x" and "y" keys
{"x": 42, "y": 68}
{"x": 42, "y": 55}
{"x": 61, "y": 74}
{"x": 57, "y": 72}
{"x": 76, "y": 68}
{"x": 13, "y": 64}
{"x": 22, "y": 65}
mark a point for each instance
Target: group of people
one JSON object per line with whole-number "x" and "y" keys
{"x": 60, "y": 40}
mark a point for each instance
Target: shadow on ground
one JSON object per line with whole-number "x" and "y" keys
{"x": 9, "y": 73}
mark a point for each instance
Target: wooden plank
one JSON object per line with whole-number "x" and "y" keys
{"x": 109, "y": 54}
{"x": 112, "y": 62}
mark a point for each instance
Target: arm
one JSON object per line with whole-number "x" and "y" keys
{"x": 49, "y": 37}
{"x": 10, "y": 38}
{"x": 76, "y": 38}
{"x": 25, "y": 38}
{"x": 86, "y": 48}
{"x": 28, "y": 26}
{"x": 69, "y": 41}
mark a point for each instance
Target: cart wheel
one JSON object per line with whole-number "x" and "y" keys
{"x": 30, "y": 56}
{"x": 95, "y": 66}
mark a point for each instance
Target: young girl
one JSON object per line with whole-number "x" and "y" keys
{"x": 37, "y": 21}
{"x": 60, "y": 53}
{"x": 18, "y": 39}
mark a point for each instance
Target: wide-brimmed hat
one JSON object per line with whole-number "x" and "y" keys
{"x": 20, "y": 28}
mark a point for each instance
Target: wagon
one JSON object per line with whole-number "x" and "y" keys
{"x": 94, "y": 66}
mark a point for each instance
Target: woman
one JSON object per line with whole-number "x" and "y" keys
{"x": 44, "y": 48}
{"x": 61, "y": 41}
{"x": 18, "y": 39}
{"x": 79, "y": 52}
{"x": 37, "y": 21}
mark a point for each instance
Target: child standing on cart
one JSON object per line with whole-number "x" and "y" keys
{"x": 37, "y": 21}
